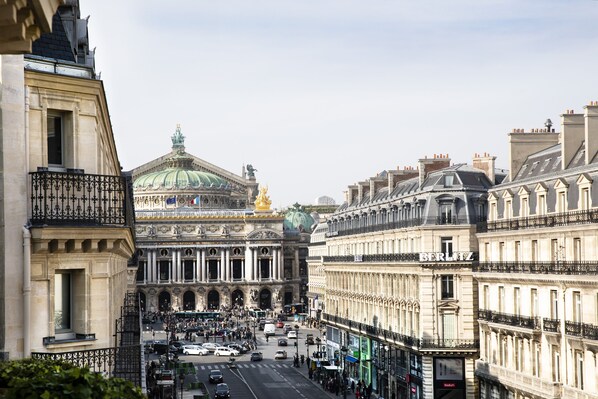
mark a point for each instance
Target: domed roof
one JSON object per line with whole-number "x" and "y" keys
{"x": 180, "y": 173}
{"x": 297, "y": 219}
{"x": 179, "y": 178}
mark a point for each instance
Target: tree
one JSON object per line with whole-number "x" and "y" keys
{"x": 46, "y": 379}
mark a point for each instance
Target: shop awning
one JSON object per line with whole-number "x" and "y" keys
{"x": 331, "y": 368}
{"x": 351, "y": 359}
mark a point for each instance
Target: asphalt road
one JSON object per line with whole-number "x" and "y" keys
{"x": 265, "y": 379}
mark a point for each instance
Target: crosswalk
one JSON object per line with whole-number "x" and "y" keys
{"x": 243, "y": 366}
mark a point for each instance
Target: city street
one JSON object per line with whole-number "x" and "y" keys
{"x": 265, "y": 379}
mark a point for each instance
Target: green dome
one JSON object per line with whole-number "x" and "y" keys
{"x": 179, "y": 175}
{"x": 297, "y": 219}
{"x": 179, "y": 178}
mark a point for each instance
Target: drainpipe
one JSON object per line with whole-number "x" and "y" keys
{"x": 26, "y": 291}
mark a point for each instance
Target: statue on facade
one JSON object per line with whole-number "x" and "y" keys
{"x": 225, "y": 230}
{"x": 253, "y": 294}
{"x": 201, "y": 231}
{"x": 262, "y": 201}
{"x": 151, "y": 230}
{"x": 277, "y": 296}
{"x": 251, "y": 170}
{"x": 176, "y": 229}
{"x": 178, "y": 140}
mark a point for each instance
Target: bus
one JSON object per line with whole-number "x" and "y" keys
{"x": 257, "y": 314}
{"x": 200, "y": 316}
{"x": 294, "y": 308}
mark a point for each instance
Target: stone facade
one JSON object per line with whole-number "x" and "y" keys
{"x": 65, "y": 248}
{"x": 400, "y": 297}
{"x": 201, "y": 243}
{"x": 537, "y": 276}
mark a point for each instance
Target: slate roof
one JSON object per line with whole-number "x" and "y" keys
{"x": 55, "y": 44}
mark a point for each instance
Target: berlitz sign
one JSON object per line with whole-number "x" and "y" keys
{"x": 445, "y": 257}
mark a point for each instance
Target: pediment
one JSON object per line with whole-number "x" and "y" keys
{"x": 523, "y": 191}
{"x": 561, "y": 183}
{"x": 264, "y": 235}
{"x": 584, "y": 178}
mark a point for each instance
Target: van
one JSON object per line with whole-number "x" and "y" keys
{"x": 269, "y": 329}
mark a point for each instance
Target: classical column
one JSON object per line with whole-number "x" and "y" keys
{"x": 275, "y": 262}
{"x": 256, "y": 275}
{"x": 204, "y": 272}
{"x": 243, "y": 269}
{"x": 229, "y": 272}
{"x": 223, "y": 269}
{"x": 271, "y": 266}
{"x": 248, "y": 262}
{"x": 197, "y": 266}
{"x": 173, "y": 275}
{"x": 153, "y": 267}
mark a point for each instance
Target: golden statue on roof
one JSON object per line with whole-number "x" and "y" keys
{"x": 262, "y": 201}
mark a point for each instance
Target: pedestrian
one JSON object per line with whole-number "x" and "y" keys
{"x": 352, "y": 385}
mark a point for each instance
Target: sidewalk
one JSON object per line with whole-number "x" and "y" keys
{"x": 305, "y": 373}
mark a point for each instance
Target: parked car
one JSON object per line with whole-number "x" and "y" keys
{"x": 309, "y": 339}
{"x": 178, "y": 345}
{"x": 292, "y": 334}
{"x": 279, "y": 355}
{"x": 210, "y": 346}
{"x": 195, "y": 350}
{"x": 282, "y": 342}
{"x": 256, "y": 356}
{"x": 222, "y": 391}
{"x": 224, "y": 351}
{"x": 237, "y": 347}
{"x": 279, "y": 324}
{"x": 215, "y": 376}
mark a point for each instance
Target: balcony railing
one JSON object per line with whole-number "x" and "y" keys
{"x": 80, "y": 199}
{"x": 568, "y": 267}
{"x": 532, "y": 323}
{"x": 552, "y": 325}
{"x": 405, "y": 257}
{"x": 582, "y": 330}
{"x": 123, "y": 361}
{"x": 541, "y": 221}
{"x": 449, "y": 344}
{"x": 401, "y": 224}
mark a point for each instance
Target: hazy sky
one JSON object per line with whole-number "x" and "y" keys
{"x": 321, "y": 94}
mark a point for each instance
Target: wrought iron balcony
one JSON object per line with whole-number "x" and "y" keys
{"x": 449, "y": 344}
{"x": 404, "y": 257}
{"x": 541, "y": 221}
{"x": 532, "y": 323}
{"x": 401, "y": 224}
{"x": 552, "y": 325}
{"x": 564, "y": 267}
{"x": 582, "y": 330}
{"x": 78, "y": 199}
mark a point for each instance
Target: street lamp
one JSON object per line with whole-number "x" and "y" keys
{"x": 318, "y": 340}
{"x": 297, "y": 345}
{"x": 344, "y": 352}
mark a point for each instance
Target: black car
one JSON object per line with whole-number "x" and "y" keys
{"x": 256, "y": 356}
{"x": 216, "y": 376}
{"x": 222, "y": 392}
{"x": 282, "y": 342}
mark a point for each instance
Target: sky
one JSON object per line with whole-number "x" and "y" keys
{"x": 318, "y": 95}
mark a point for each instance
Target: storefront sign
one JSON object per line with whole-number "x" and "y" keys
{"x": 445, "y": 257}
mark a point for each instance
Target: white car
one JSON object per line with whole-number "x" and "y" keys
{"x": 280, "y": 355}
{"x": 224, "y": 351}
{"x": 292, "y": 334}
{"x": 210, "y": 346}
{"x": 195, "y": 350}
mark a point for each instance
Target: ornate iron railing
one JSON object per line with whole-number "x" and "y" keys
{"x": 400, "y": 224}
{"x": 568, "y": 267}
{"x": 552, "y": 220}
{"x": 80, "y": 199}
{"x": 551, "y": 325}
{"x": 449, "y": 344}
{"x": 532, "y": 323}
{"x": 405, "y": 257}
{"x": 125, "y": 360}
{"x": 582, "y": 330}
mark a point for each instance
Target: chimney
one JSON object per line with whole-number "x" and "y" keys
{"x": 591, "y": 131}
{"x": 486, "y": 163}
{"x": 351, "y": 194}
{"x": 572, "y": 135}
{"x": 397, "y": 176}
{"x": 522, "y": 145}
{"x": 426, "y": 165}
